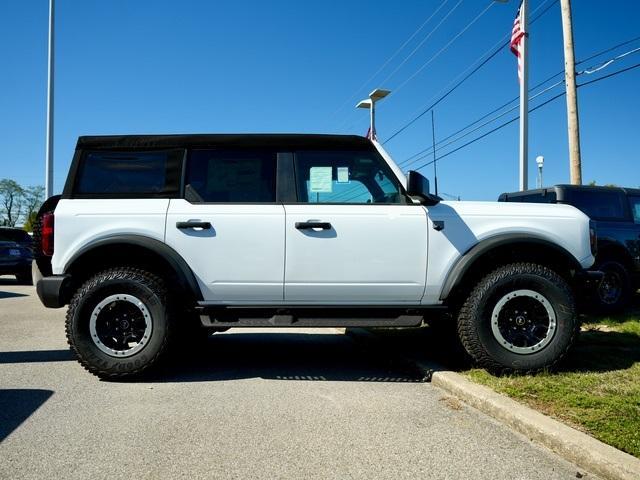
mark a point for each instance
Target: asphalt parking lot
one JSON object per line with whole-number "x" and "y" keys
{"x": 250, "y": 404}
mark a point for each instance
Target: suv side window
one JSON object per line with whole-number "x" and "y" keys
{"x": 345, "y": 177}
{"x": 240, "y": 176}
{"x": 601, "y": 205}
{"x": 135, "y": 173}
{"x": 635, "y": 208}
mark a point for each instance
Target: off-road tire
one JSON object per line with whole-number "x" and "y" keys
{"x": 474, "y": 319}
{"x": 613, "y": 272}
{"x": 147, "y": 287}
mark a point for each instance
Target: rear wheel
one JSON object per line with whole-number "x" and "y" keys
{"x": 118, "y": 322}
{"x": 519, "y": 318}
{"x": 614, "y": 290}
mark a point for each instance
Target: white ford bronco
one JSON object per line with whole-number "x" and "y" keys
{"x": 155, "y": 237}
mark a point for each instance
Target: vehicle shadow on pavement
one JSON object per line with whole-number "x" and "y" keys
{"x": 16, "y": 405}
{"x": 4, "y": 294}
{"x": 597, "y": 350}
{"x": 36, "y": 356}
{"x": 281, "y": 356}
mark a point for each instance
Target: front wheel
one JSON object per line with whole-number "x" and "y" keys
{"x": 118, "y": 322}
{"x": 519, "y": 318}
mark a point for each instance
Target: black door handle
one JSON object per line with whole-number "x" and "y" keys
{"x": 309, "y": 225}
{"x": 193, "y": 224}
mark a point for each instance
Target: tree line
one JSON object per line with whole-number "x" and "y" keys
{"x": 19, "y": 204}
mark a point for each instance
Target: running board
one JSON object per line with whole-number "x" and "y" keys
{"x": 305, "y": 316}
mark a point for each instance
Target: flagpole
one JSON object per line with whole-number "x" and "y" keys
{"x": 48, "y": 189}
{"x": 524, "y": 99}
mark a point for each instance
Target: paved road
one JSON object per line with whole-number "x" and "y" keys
{"x": 295, "y": 404}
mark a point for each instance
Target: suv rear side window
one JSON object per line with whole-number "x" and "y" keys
{"x": 635, "y": 208}
{"x": 137, "y": 174}
{"x": 231, "y": 176}
{"x": 601, "y": 205}
{"x": 345, "y": 177}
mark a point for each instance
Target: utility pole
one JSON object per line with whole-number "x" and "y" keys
{"x": 524, "y": 98}
{"x": 575, "y": 163}
{"x": 48, "y": 189}
{"x": 435, "y": 169}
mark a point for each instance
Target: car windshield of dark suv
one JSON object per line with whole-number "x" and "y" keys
{"x": 18, "y": 236}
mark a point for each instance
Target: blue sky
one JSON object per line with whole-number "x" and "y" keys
{"x": 288, "y": 66}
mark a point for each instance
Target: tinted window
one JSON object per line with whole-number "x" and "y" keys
{"x": 231, "y": 176}
{"x": 130, "y": 173}
{"x": 19, "y": 236}
{"x": 548, "y": 197}
{"x": 599, "y": 205}
{"x": 635, "y": 208}
{"x": 345, "y": 177}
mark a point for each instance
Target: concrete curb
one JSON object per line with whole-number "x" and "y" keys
{"x": 571, "y": 444}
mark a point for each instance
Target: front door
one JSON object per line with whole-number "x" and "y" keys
{"x": 352, "y": 238}
{"x": 228, "y": 227}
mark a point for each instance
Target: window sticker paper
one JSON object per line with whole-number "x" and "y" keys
{"x": 343, "y": 174}
{"x": 320, "y": 180}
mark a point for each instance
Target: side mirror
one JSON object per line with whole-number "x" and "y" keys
{"x": 418, "y": 186}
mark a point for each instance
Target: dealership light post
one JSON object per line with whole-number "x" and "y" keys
{"x": 370, "y": 103}
{"x": 540, "y": 162}
{"x": 48, "y": 189}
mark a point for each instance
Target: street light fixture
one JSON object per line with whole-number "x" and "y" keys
{"x": 370, "y": 103}
{"x": 540, "y": 162}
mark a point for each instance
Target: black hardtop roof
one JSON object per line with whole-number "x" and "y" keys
{"x": 595, "y": 188}
{"x": 246, "y": 140}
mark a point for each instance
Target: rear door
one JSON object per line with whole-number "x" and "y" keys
{"x": 228, "y": 226}
{"x": 352, "y": 238}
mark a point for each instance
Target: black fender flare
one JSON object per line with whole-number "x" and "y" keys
{"x": 457, "y": 273}
{"x": 183, "y": 272}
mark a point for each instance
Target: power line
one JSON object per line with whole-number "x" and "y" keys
{"x": 412, "y": 121}
{"x": 600, "y": 53}
{"x": 412, "y": 53}
{"x": 531, "y": 110}
{"x": 406, "y": 42}
{"x": 502, "y": 43}
{"x": 613, "y": 74}
{"x": 508, "y": 122}
{"x": 479, "y": 127}
{"x": 447, "y": 45}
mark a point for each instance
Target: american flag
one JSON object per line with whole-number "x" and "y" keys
{"x": 517, "y": 34}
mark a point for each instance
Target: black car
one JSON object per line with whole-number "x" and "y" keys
{"x": 16, "y": 254}
{"x": 615, "y": 213}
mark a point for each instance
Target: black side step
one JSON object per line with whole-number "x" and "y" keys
{"x": 310, "y": 316}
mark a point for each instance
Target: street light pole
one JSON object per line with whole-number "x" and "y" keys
{"x": 48, "y": 189}
{"x": 524, "y": 99}
{"x": 575, "y": 164}
{"x": 370, "y": 103}
{"x": 540, "y": 162}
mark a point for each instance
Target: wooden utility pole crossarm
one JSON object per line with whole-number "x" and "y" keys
{"x": 572, "y": 95}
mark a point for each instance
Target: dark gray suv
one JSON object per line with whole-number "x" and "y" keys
{"x": 16, "y": 254}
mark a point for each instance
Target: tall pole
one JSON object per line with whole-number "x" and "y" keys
{"x": 372, "y": 125}
{"x": 433, "y": 136}
{"x": 524, "y": 99}
{"x": 575, "y": 164}
{"x": 48, "y": 189}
